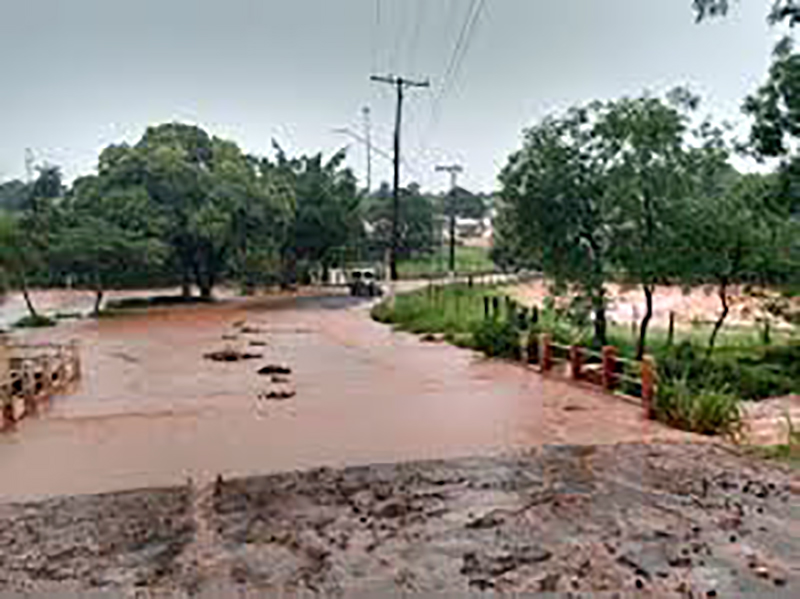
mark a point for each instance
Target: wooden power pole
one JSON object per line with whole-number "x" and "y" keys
{"x": 401, "y": 84}
{"x": 368, "y": 137}
{"x": 454, "y": 171}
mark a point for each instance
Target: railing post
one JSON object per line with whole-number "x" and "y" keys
{"x": 522, "y": 320}
{"x": 486, "y": 307}
{"x": 545, "y": 352}
{"x": 76, "y": 361}
{"x": 671, "y": 334}
{"x": 648, "y": 386}
{"x": 495, "y": 307}
{"x": 29, "y": 387}
{"x": 576, "y": 362}
{"x": 609, "y": 367}
{"x": 47, "y": 376}
{"x": 533, "y": 348}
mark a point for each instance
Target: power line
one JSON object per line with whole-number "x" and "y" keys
{"x": 420, "y": 20}
{"x": 457, "y": 58}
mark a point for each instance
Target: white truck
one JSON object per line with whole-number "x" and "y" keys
{"x": 363, "y": 282}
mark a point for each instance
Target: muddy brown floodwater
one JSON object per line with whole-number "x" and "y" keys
{"x": 152, "y": 411}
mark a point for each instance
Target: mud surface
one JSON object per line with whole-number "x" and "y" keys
{"x": 663, "y": 520}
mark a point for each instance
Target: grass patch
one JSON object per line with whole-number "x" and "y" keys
{"x": 454, "y": 309}
{"x": 497, "y": 339}
{"x": 133, "y": 303}
{"x": 68, "y": 315}
{"x": 468, "y": 260}
{"x": 34, "y": 322}
{"x": 706, "y": 411}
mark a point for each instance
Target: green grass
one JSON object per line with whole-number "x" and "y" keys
{"x": 133, "y": 303}
{"x": 453, "y": 310}
{"x": 34, "y": 322}
{"x": 468, "y": 260}
{"x": 704, "y": 411}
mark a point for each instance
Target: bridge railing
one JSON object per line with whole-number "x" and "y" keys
{"x": 32, "y": 374}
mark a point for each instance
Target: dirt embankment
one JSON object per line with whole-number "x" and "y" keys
{"x": 665, "y": 521}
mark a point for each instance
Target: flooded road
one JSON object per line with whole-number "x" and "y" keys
{"x": 151, "y": 410}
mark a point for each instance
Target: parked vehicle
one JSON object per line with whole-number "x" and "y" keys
{"x": 363, "y": 282}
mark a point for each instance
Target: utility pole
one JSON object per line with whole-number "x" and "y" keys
{"x": 454, "y": 171}
{"x": 401, "y": 84}
{"x": 368, "y": 137}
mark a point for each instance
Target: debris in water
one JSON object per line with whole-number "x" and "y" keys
{"x": 231, "y": 355}
{"x": 274, "y": 369}
{"x": 277, "y": 394}
{"x": 251, "y": 331}
{"x": 258, "y": 343}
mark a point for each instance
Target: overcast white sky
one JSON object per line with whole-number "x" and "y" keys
{"x": 80, "y": 74}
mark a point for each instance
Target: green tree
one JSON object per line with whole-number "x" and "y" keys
{"x": 787, "y": 11}
{"x": 217, "y": 206}
{"x": 648, "y": 168}
{"x": 13, "y": 195}
{"x": 417, "y": 221}
{"x": 728, "y": 240}
{"x": 99, "y": 250}
{"x": 552, "y": 209}
{"x": 17, "y": 255}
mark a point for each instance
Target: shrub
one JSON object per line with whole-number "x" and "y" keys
{"x": 704, "y": 411}
{"x": 770, "y": 372}
{"x": 34, "y": 322}
{"x": 497, "y": 339}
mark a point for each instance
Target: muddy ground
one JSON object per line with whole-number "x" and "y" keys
{"x": 660, "y": 520}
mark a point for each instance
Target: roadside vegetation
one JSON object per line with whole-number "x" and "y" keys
{"x": 436, "y": 263}
{"x": 697, "y": 391}
{"x": 181, "y": 207}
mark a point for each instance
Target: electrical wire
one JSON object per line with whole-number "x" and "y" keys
{"x": 457, "y": 58}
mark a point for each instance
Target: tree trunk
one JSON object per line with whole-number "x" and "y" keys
{"x": 98, "y": 300}
{"x": 600, "y": 322}
{"x": 186, "y": 277}
{"x": 648, "y": 294}
{"x": 723, "y": 296}
{"x": 26, "y": 295}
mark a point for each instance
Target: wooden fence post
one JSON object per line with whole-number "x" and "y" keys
{"x": 671, "y": 334}
{"x": 545, "y": 352}
{"x": 609, "y": 367}
{"x": 76, "y": 361}
{"x": 29, "y": 386}
{"x": 576, "y": 362}
{"x": 648, "y": 386}
{"x": 522, "y": 320}
{"x": 533, "y": 348}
